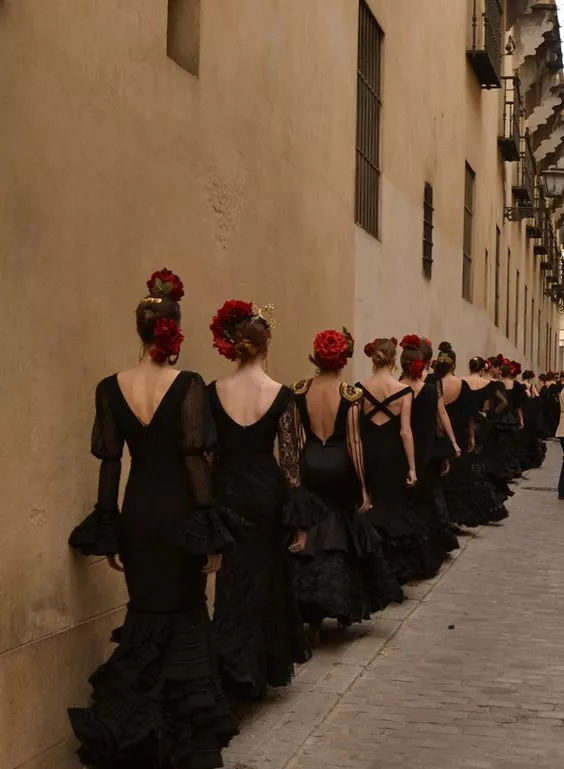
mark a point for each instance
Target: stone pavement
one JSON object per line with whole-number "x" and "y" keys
{"x": 469, "y": 672}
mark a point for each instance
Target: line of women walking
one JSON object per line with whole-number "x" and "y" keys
{"x": 311, "y": 502}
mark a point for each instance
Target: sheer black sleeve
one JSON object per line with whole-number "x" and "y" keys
{"x": 209, "y": 527}
{"x": 354, "y": 443}
{"x": 303, "y": 509}
{"x": 98, "y": 533}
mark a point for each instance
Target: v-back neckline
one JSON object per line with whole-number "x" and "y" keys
{"x": 257, "y": 421}
{"x": 147, "y": 425}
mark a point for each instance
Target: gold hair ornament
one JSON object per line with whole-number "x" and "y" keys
{"x": 152, "y": 300}
{"x": 265, "y": 313}
{"x": 444, "y": 358}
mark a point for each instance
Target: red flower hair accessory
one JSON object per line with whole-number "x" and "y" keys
{"x": 165, "y": 283}
{"x": 167, "y": 342}
{"x": 416, "y": 368}
{"x": 332, "y": 349}
{"x": 224, "y": 325}
{"x": 410, "y": 341}
{"x": 516, "y": 368}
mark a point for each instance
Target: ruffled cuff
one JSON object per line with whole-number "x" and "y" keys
{"x": 303, "y": 509}
{"x": 97, "y": 534}
{"x": 213, "y": 529}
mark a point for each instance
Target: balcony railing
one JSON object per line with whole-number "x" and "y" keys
{"x": 509, "y": 140}
{"x": 524, "y": 190}
{"x": 485, "y": 52}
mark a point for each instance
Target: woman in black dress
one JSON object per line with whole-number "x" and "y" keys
{"x": 389, "y": 455}
{"x": 425, "y": 422}
{"x": 258, "y": 628}
{"x": 342, "y": 573}
{"x": 158, "y": 702}
{"x": 535, "y": 445}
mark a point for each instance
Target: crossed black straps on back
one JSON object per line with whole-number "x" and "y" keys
{"x": 383, "y": 405}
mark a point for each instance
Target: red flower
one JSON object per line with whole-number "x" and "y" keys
{"x": 410, "y": 341}
{"x": 167, "y": 342}
{"x": 224, "y": 325}
{"x": 165, "y": 283}
{"x": 331, "y": 349}
{"x": 416, "y": 368}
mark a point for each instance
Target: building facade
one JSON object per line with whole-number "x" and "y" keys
{"x": 359, "y": 163}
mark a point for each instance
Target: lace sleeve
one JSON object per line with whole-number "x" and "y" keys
{"x": 98, "y": 533}
{"x": 303, "y": 509}
{"x": 290, "y": 441}
{"x": 209, "y": 528}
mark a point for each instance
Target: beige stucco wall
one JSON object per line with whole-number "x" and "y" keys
{"x": 114, "y": 162}
{"x": 435, "y": 117}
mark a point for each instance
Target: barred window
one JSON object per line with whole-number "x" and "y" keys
{"x": 428, "y": 230}
{"x": 469, "y": 181}
{"x": 525, "y": 320}
{"x": 497, "y": 274}
{"x": 508, "y": 294}
{"x": 369, "y": 103}
{"x": 517, "y": 311}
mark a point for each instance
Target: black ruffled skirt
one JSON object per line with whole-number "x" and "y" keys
{"x": 157, "y": 701}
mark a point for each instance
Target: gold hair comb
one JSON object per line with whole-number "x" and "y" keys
{"x": 153, "y": 299}
{"x": 266, "y": 313}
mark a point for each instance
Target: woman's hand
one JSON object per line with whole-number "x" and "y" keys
{"x": 457, "y": 450}
{"x": 213, "y": 564}
{"x": 411, "y": 478}
{"x": 445, "y": 467}
{"x": 471, "y": 444}
{"x": 366, "y": 503}
{"x": 299, "y": 542}
{"x": 114, "y": 562}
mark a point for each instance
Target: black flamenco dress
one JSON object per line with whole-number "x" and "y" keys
{"x": 533, "y": 435}
{"x": 470, "y": 495}
{"x": 503, "y": 452}
{"x": 157, "y": 701}
{"x": 257, "y": 625}
{"x": 428, "y": 495}
{"x": 343, "y": 573}
{"x": 407, "y": 546}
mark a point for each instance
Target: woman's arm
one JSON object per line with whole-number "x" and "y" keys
{"x": 444, "y": 421}
{"x": 407, "y": 438}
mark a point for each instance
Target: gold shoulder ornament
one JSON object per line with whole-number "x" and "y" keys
{"x": 351, "y": 393}
{"x": 301, "y": 387}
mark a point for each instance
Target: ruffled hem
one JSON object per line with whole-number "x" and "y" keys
{"x": 97, "y": 534}
{"x": 157, "y": 700}
{"x": 303, "y": 509}
{"x": 213, "y": 529}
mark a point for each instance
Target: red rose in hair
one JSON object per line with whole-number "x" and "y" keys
{"x": 416, "y": 368}
{"x": 167, "y": 341}
{"x": 410, "y": 341}
{"x": 224, "y": 325}
{"x": 331, "y": 349}
{"x": 165, "y": 283}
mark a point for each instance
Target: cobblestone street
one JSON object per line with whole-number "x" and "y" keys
{"x": 469, "y": 672}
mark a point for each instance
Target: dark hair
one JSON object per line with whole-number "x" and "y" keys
{"x": 426, "y": 350}
{"x": 446, "y": 360}
{"x": 383, "y": 352}
{"x": 506, "y": 370}
{"x": 493, "y": 360}
{"x": 412, "y": 362}
{"x": 527, "y": 374}
{"x": 150, "y": 310}
{"x": 476, "y": 364}
{"x": 252, "y": 336}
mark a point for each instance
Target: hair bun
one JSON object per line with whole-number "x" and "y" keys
{"x": 369, "y": 349}
{"x": 165, "y": 284}
{"x": 445, "y": 347}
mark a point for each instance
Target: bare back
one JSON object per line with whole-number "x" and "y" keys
{"x": 383, "y": 386}
{"x": 144, "y": 387}
{"x": 247, "y": 395}
{"x": 323, "y": 400}
{"x": 452, "y": 386}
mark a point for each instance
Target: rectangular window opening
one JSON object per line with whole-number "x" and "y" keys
{"x": 525, "y": 319}
{"x": 368, "y": 109}
{"x": 508, "y": 294}
{"x": 517, "y": 309}
{"x": 183, "y": 34}
{"x": 428, "y": 230}
{"x": 497, "y": 274}
{"x": 469, "y": 182}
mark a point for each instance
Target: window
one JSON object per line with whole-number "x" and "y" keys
{"x": 497, "y": 275}
{"x": 369, "y": 103}
{"x": 183, "y": 34}
{"x": 532, "y": 329}
{"x": 516, "y": 320}
{"x": 539, "y": 338}
{"x": 547, "y": 348}
{"x": 428, "y": 230}
{"x": 525, "y": 329}
{"x": 507, "y": 293}
{"x": 469, "y": 181}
